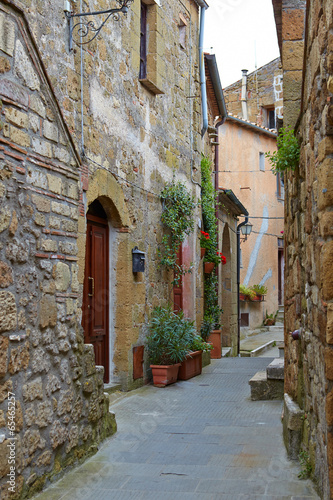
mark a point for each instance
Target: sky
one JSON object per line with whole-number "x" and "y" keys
{"x": 239, "y": 33}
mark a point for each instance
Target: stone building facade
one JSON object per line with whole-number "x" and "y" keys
{"x": 87, "y": 144}
{"x": 260, "y": 93}
{"x": 305, "y": 31}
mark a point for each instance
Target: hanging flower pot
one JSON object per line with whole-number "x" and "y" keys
{"x": 203, "y": 251}
{"x": 209, "y": 267}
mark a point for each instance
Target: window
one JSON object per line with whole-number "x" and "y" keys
{"x": 280, "y": 186}
{"x": 152, "y": 65}
{"x": 244, "y": 319}
{"x": 271, "y": 118}
{"x": 262, "y": 161}
{"x": 182, "y": 31}
{"x": 143, "y": 41}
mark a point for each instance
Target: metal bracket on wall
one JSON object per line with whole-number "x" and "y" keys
{"x": 84, "y": 31}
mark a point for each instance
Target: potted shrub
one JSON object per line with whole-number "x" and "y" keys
{"x": 260, "y": 291}
{"x": 192, "y": 364}
{"x": 168, "y": 341}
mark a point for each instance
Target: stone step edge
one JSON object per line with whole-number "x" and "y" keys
{"x": 263, "y": 348}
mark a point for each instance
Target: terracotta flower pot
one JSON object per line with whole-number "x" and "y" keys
{"x": 191, "y": 366}
{"x": 164, "y": 374}
{"x": 242, "y": 296}
{"x": 209, "y": 267}
{"x": 203, "y": 251}
{"x": 215, "y": 338}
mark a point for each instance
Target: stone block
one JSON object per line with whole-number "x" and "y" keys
{"x": 329, "y": 327}
{"x": 49, "y": 246}
{"x": 293, "y": 24}
{"x": 292, "y": 55}
{"x": 89, "y": 360}
{"x": 47, "y": 311}
{"x": 24, "y": 68}
{"x": 3, "y": 355}
{"x": 7, "y": 35}
{"x": 19, "y": 359}
{"x": 326, "y": 259}
{"x": 275, "y": 370}
{"x": 6, "y": 275}
{"x": 62, "y": 276}
{"x": 325, "y": 224}
{"x": 14, "y": 92}
{"x": 264, "y": 389}
{"x": 42, "y": 203}
{"x": 325, "y": 174}
{"x": 8, "y": 312}
{"x": 292, "y": 85}
{"x": 50, "y": 131}
{"x": 58, "y": 434}
{"x": 292, "y": 427}
{"x": 19, "y": 137}
{"x": 60, "y": 208}
{"x": 44, "y": 414}
{"x": 36, "y": 105}
{"x": 31, "y": 441}
{"x": 55, "y": 184}
{"x": 42, "y": 147}
{"x": 17, "y": 118}
{"x": 5, "y": 65}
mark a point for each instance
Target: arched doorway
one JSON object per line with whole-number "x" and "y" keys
{"x": 226, "y": 289}
{"x": 95, "y": 304}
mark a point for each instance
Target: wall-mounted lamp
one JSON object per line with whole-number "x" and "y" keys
{"x": 138, "y": 260}
{"x": 246, "y": 228}
{"x": 86, "y": 30}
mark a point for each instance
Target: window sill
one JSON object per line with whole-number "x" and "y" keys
{"x": 150, "y": 86}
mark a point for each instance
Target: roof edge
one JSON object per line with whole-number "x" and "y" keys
{"x": 215, "y": 77}
{"x": 233, "y": 198}
{"x": 253, "y": 126}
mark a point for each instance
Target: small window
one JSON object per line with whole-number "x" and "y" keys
{"x": 262, "y": 161}
{"x": 271, "y": 118}
{"x": 280, "y": 186}
{"x": 143, "y": 42}
{"x": 245, "y": 319}
{"x": 182, "y": 31}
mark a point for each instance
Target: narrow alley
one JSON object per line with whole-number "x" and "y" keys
{"x": 198, "y": 439}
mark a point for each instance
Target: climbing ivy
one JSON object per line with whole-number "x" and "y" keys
{"x": 208, "y": 202}
{"x": 287, "y": 155}
{"x": 177, "y": 217}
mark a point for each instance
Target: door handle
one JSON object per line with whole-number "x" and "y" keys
{"x": 92, "y": 287}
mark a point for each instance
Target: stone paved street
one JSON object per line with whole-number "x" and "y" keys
{"x": 197, "y": 439}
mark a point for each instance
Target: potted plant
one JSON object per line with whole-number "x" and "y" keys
{"x": 246, "y": 293}
{"x": 260, "y": 291}
{"x": 168, "y": 341}
{"x": 204, "y": 242}
{"x": 192, "y": 364}
{"x": 270, "y": 319}
{"x": 214, "y": 260}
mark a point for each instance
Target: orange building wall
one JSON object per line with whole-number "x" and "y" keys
{"x": 257, "y": 191}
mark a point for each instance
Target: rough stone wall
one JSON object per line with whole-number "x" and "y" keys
{"x": 264, "y": 89}
{"x": 53, "y": 410}
{"x": 309, "y": 229}
{"x": 134, "y": 139}
{"x": 139, "y": 137}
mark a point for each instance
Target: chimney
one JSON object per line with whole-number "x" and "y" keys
{"x": 244, "y": 92}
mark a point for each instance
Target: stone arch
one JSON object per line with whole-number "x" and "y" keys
{"x": 226, "y": 288}
{"x": 104, "y": 188}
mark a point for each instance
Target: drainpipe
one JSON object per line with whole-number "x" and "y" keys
{"x": 238, "y": 281}
{"x": 243, "y": 97}
{"x": 202, "y": 74}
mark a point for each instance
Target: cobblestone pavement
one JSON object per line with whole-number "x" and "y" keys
{"x": 197, "y": 439}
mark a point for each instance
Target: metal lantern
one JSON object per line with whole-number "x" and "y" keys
{"x": 138, "y": 260}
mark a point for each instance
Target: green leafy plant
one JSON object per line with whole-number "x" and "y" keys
{"x": 198, "y": 344}
{"x": 208, "y": 202}
{"x": 270, "y": 319}
{"x": 212, "y": 315}
{"x": 177, "y": 217}
{"x": 248, "y": 292}
{"x": 305, "y": 464}
{"x": 288, "y": 153}
{"x": 259, "y": 289}
{"x": 170, "y": 336}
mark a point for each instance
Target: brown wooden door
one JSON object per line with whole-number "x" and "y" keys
{"x": 178, "y": 290}
{"x": 96, "y": 291}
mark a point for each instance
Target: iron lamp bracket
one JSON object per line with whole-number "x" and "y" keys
{"x": 86, "y": 31}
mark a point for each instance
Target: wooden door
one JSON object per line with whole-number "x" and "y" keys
{"x": 96, "y": 291}
{"x": 178, "y": 290}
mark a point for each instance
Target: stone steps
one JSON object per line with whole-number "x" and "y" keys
{"x": 269, "y": 383}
